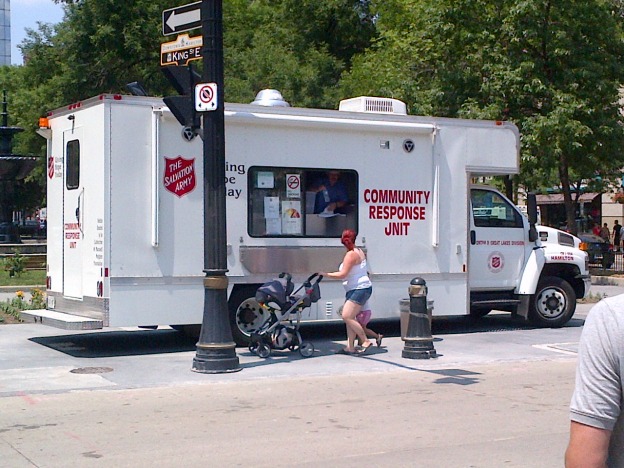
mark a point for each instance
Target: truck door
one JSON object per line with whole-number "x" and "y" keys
{"x": 73, "y": 215}
{"x": 497, "y": 242}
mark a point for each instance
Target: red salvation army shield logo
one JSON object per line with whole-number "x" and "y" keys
{"x": 496, "y": 262}
{"x": 179, "y": 176}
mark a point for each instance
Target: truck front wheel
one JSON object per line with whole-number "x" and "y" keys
{"x": 553, "y": 304}
{"x": 246, "y": 315}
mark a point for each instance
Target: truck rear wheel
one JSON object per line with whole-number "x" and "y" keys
{"x": 553, "y": 303}
{"x": 246, "y": 315}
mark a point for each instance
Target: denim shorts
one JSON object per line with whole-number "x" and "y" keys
{"x": 359, "y": 296}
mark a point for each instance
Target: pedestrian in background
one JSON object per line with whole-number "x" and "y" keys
{"x": 596, "y": 413}
{"x": 616, "y": 235}
{"x": 604, "y": 232}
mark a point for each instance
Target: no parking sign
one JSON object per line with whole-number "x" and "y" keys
{"x": 205, "y": 97}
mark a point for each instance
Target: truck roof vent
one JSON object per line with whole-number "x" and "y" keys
{"x": 271, "y": 98}
{"x": 373, "y": 104}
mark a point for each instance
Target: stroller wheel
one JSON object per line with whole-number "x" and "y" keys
{"x": 306, "y": 349}
{"x": 263, "y": 350}
{"x": 253, "y": 347}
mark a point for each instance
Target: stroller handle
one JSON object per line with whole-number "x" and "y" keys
{"x": 312, "y": 276}
{"x": 308, "y": 283}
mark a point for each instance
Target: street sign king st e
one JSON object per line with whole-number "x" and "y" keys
{"x": 181, "y": 51}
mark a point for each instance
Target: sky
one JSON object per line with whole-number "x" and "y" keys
{"x": 26, "y": 14}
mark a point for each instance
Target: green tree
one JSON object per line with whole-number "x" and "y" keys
{"x": 299, "y": 47}
{"x": 27, "y": 193}
{"x": 554, "y": 68}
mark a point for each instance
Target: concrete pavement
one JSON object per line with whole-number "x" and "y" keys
{"x": 496, "y": 396}
{"x": 512, "y": 415}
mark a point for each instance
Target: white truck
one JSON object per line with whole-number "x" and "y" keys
{"x": 125, "y": 214}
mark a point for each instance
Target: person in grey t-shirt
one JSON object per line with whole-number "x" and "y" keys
{"x": 597, "y": 419}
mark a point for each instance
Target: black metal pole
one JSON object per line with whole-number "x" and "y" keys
{"x": 216, "y": 351}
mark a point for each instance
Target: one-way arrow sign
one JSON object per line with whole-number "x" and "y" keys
{"x": 182, "y": 18}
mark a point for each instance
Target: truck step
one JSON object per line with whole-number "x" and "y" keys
{"x": 495, "y": 302}
{"x": 60, "y": 320}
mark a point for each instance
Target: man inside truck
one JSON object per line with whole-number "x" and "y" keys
{"x": 331, "y": 194}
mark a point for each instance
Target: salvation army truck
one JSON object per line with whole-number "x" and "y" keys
{"x": 125, "y": 214}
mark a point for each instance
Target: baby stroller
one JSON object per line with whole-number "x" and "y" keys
{"x": 281, "y": 329}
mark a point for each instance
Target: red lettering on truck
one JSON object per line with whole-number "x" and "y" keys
{"x": 398, "y": 207}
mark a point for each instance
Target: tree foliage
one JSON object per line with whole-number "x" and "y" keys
{"x": 553, "y": 68}
{"x": 299, "y": 47}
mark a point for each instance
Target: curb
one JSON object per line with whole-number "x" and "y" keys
{"x": 607, "y": 281}
{"x": 12, "y": 289}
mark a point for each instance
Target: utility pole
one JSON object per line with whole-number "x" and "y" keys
{"x": 216, "y": 351}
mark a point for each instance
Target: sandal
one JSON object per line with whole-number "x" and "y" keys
{"x": 378, "y": 340}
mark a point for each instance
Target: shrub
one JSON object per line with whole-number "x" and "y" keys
{"x": 38, "y": 299}
{"x": 14, "y": 264}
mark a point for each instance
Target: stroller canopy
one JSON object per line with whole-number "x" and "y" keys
{"x": 276, "y": 291}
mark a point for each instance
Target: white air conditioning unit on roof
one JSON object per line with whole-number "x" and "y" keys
{"x": 373, "y": 104}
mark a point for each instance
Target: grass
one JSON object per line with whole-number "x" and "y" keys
{"x": 27, "y": 278}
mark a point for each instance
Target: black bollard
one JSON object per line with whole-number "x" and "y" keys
{"x": 418, "y": 339}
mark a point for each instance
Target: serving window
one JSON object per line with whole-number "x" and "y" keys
{"x": 298, "y": 202}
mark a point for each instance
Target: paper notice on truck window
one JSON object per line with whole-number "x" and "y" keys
{"x": 273, "y": 226}
{"x": 265, "y": 180}
{"x": 291, "y": 217}
{"x": 271, "y": 207}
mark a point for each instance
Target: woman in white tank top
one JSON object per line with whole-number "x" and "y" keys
{"x": 358, "y": 286}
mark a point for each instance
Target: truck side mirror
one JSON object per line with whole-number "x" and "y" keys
{"x": 531, "y": 202}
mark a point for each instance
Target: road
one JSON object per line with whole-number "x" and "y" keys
{"x": 497, "y": 395}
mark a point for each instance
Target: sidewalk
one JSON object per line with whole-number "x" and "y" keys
{"x": 497, "y": 395}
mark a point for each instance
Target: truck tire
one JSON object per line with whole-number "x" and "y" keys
{"x": 245, "y": 313}
{"x": 553, "y": 303}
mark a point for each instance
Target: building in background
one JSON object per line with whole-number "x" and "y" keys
{"x": 5, "y": 32}
{"x": 589, "y": 211}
